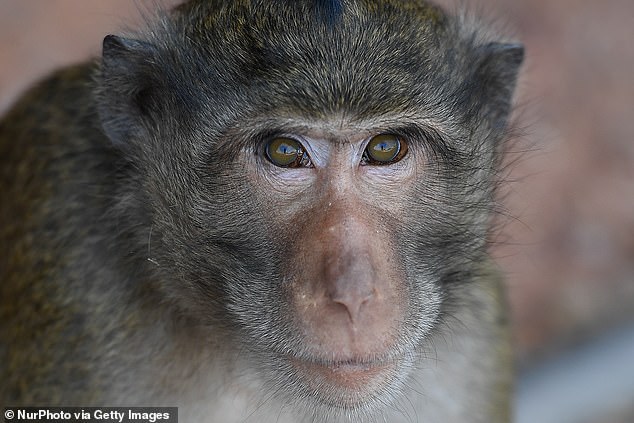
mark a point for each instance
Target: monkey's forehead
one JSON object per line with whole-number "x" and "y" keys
{"x": 330, "y": 13}
{"x": 319, "y": 57}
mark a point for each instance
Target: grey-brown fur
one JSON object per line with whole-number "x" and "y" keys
{"x": 140, "y": 266}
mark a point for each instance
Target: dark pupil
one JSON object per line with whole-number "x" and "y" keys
{"x": 286, "y": 150}
{"x": 384, "y": 147}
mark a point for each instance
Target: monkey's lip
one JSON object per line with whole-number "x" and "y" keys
{"x": 349, "y": 375}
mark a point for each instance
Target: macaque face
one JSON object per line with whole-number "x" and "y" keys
{"x": 335, "y": 308}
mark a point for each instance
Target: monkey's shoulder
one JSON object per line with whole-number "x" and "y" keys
{"x": 52, "y": 134}
{"x": 53, "y": 108}
{"x": 56, "y": 168}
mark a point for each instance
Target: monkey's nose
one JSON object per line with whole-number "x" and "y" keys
{"x": 350, "y": 283}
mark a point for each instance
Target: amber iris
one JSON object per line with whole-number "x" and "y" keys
{"x": 384, "y": 149}
{"x": 284, "y": 152}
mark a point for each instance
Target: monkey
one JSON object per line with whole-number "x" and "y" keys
{"x": 263, "y": 211}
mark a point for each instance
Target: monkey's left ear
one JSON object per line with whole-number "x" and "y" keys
{"x": 493, "y": 82}
{"x": 125, "y": 85}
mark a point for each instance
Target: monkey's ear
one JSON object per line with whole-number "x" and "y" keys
{"x": 494, "y": 81}
{"x": 125, "y": 86}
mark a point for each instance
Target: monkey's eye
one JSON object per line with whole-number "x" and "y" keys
{"x": 286, "y": 152}
{"x": 384, "y": 149}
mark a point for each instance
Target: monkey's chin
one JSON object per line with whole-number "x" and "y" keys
{"x": 347, "y": 384}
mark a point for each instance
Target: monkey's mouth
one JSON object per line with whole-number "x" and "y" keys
{"x": 352, "y": 379}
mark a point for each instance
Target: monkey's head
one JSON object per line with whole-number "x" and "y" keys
{"x": 315, "y": 176}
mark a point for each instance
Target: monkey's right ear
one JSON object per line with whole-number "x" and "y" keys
{"x": 125, "y": 85}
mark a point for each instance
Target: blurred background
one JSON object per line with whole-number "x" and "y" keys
{"x": 568, "y": 250}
